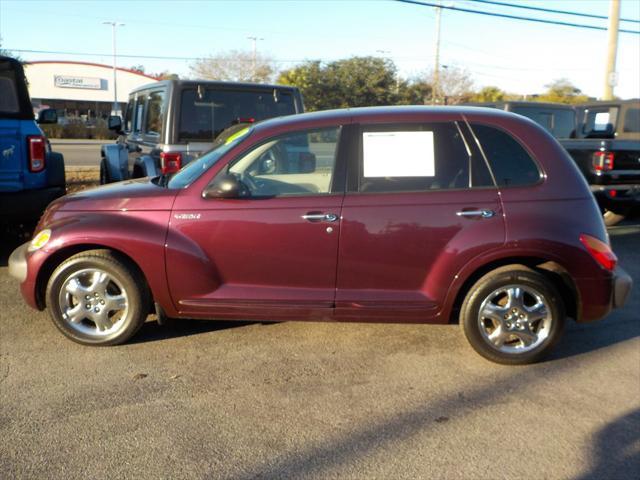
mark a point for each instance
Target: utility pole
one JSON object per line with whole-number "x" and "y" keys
{"x": 116, "y": 105}
{"x": 255, "y": 54}
{"x": 610, "y": 79}
{"x": 436, "y": 71}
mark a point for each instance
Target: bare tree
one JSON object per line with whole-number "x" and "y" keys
{"x": 235, "y": 65}
{"x": 455, "y": 85}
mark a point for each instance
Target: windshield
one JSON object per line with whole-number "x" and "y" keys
{"x": 193, "y": 170}
{"x": 205, "y": 113}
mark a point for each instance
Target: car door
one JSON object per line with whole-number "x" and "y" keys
{"x": 270, "y": 254}
{"x": 421, "y": 203}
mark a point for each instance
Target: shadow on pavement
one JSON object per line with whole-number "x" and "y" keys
{"x": 346, "y": 448}
{"x": 153, "y": 332}
{"x": 617, "y": 450}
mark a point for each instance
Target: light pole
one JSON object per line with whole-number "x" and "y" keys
{"x": 116, "y": 106}
{"x": 255, "y": 54}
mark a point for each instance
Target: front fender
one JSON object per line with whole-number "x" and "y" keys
{"x": 138, "y": 235}
{"x": 145, "y": 166}
{"x": 116, "y": 158}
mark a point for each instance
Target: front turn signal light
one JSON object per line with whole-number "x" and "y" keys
{"x": 40, "y": 240}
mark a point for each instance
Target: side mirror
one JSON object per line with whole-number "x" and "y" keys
{"x": 225, "y": 186}
{"x": 115, "y": 123}
{"x": 47, "y": 116}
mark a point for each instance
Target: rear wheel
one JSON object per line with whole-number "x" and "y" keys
{"x": 94, "y": 298}
{"x": 513, "y": 315}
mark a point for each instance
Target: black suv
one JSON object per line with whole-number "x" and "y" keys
{"x": 169, "y": 123}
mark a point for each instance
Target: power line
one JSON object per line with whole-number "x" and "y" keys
{"x": 513, "y": 17}
{"x": 151, "y": 57}
{"x": 161, "y": 57}
{"x": 549, "y": 10}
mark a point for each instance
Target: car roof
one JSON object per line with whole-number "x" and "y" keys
{"x": 378, "y": 114}
{"x": 522, "y": 103}
{"x": 212, "y": 83}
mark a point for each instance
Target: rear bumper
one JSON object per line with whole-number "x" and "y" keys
{"x": 622, "y": 284}
{"x": 614, "y": 197}
{"x": 600, "y": 295}
{"x": 27, "y": 205}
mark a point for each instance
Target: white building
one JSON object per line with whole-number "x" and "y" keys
{"x": 80, "y": 89}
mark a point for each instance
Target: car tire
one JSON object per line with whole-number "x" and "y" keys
{"x": 104, "y": 174}
{"x": 97, "y": 298}
{"x": 513, "y": 315}
{"x": 612, "y": 218}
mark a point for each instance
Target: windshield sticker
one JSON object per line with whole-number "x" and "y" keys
{"x": 237, "y": 135}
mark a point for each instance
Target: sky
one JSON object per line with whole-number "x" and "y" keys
{"x": 516, "y": 56}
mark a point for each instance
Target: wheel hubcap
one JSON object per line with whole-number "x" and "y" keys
{"x": 515, "y": 319}
{"x": 93, "y": 302}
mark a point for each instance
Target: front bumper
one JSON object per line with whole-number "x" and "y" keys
{"x": 18, "y": 263}
{"x": 622, "y": 284}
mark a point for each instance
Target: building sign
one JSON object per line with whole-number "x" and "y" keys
{"x": 65, "y": 81}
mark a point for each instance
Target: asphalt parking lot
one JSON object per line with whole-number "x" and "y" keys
{"x": 317, "y": 400}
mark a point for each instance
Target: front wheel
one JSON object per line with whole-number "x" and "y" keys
{"x": 104, "y": 174}
{"x": 513, "y": 315}
{"x": 94, "y": 298}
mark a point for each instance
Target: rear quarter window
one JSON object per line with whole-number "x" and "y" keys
{"x": 9, "y": 97}
{"x": 632, "y": 120}
{"x": 510, "y": 162}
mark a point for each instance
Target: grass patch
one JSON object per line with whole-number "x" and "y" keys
{"x": 79, "y": 178}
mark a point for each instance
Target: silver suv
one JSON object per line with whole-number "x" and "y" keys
{"x": 167, "y": 124}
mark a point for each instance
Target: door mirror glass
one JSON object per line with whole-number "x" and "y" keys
{"x": 115, "y": 123}
{"x": 48, "y": 116}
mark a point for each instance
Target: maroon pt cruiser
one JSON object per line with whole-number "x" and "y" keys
{"x": 400, "y": 214}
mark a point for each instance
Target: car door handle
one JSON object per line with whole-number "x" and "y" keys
{"x": 320, "y": 217}
{"x": 485, "y": 213}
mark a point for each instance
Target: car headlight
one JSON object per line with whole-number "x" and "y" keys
{"x": 40, "y": 240}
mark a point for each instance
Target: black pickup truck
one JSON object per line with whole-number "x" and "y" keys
{"x": 603, "y": 138}
{"x": 607, "y": 151}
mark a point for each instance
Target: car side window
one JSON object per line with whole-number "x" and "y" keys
{"x": 510, "y": 162}
{"x": 141, "y": 100}
{"x": 300, "y": 163}
{"x": 128, "y": 116}
{"x": 419, "y": 157}
{"x": 155, "y": 107}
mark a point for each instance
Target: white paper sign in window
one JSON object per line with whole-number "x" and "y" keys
{"x": 398, "y": 154}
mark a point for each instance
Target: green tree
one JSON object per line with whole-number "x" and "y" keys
{"x": 352, "y": 82}
{"x": 8, "y": 53}
{"x": 562, "y": 91}
{"x": 309, "y": 78}
{"x": 489, "y": 94}
{"x": 416, "y": 92}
